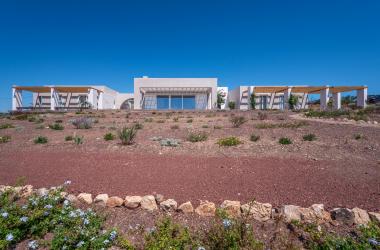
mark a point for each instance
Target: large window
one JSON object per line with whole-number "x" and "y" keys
{"x": 189, "y": 102}
{"x": 162, "y": 102}
{"x": 176, "y": 102}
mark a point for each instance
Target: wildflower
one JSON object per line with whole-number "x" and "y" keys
{"x": 66, "y": 203}
{"x": 113, "y": 235}
{"x": 68, "y": 182}
{"x": 4, "y": 215}
{"x": 201, "y": 248}
{"x": 227, "y": 223}
{"x": 86, "y": 222}
{"x": 72, "y": 214}
{"x": 46, "y": 213}
{"x": 106, "y": 242}
{"x": 9, "y": 237}
{"x": 34, "y": 202}
{"x": 48, "y": 206}
{"x": 24, "y": 219}
{"x": 32, "y": 245}
{"x": 80, "y": 243}
{"x": 24, "y": 207}
{"x": 373, "y": 242}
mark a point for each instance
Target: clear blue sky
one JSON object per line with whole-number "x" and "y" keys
{"x": 240, "y": 42}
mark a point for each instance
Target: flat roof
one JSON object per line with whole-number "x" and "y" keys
{"x": 61, "y": 89}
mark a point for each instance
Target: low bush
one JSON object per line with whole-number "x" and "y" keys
{"x": 231, "y": 105}
{"x": 82, "y": 122}
{"x": 150, "y": 119}
{"x": 109, "y": 137}
{"x": 20, "y": 117}
{"x": 170, "y": 142}
{"x": 6, "y": 125}
{"x": 291, "y": 125}
{"x": 327, "y": 114}
{"x": 174, "y": 127}
{"x": 217, "y": 127}
{"x": 237, "y": 121}
{"x": 40, "y": 140}
{"x": 5, "y": 138}
{"x": 309, "y": 137}
{"x": 138, "y": 125}
{"x": 262, "y": 116}
{"x": 205, "y": 126}
{"x": 359, "y": 136}
{"x": 229, "y": 141}
{"x": 284, "y": 141}
{"x": 56, "y": 126}
{"x": 254, "y": 137}
{"x": 69, "y": 138}
{"x": 160, "y": 121}
{"x": 58, "y": 121}
{"x": 127, "y": 135}
{"x": 189, "y": 121}
{"x": 196, "y": 136}
{"x": 78, "y": 139}
{"x": 175, "y": 119}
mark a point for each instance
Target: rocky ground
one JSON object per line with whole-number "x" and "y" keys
{"x": 338, "y": 169}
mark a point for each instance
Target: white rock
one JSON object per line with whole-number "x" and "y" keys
{"x": 291, "y": 212}
{"x": 361, "y": 216}
{"x": 375, "y": 217}
{"x": 168, "y": 204}
{"x": 115, "y": 201}
{"x": 258, "y": 211}
{"x": 232, "y": 208}
{"x": 101, "y": 199}
{"x": 132, "y": 201}
{"x": 85, "y": 198}
{"x": 72, "y": 198}
{"x": 206, "y": 208}
{"x": 148, "y": 202}
{"x": 186, "y": 208}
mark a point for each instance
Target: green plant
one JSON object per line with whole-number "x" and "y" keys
{"x": 169, "y": 142}
{"x": 109, "y": 137}
{"x": 205, "y": 126}
{"x": 56, "y": 126}
{"x": 229, "y": 141}
{"x": 309, "y": 137}
{"x": 292, "y": 101}
{"x": 58, "y": 121}
{"x": 78, "y": 139}
{"x": 189, "y": 121}
{"x": 175, "y": 119}
{"x": 217, "y": 127}
{"x": 237, "y": 121}
{"x": 284, "y": 141}
{"x": 69, "y": 138}
{"x": 197, "y": 136}
{"x": 220, "y": 99}
{"x": 160, "y": 121}
{"x": 150, "y": 119}
{"x": 174, "y": 127}
{"x": 5, "y": 138}
{"x": 6, "y": 125}
{"x": 231, "y": 105}
{"x": 254, "y": 137}
{"x": 40, "y": 140}
{"x": 359, "y": 136}
{"x": 292, "y": 125}
{"x": 252, "y": 101}
{"x": 127, "y": 135}
{"x": 168, "y": 235}
{"x": 138, "y": 125}
{"x": 262, "y": 116}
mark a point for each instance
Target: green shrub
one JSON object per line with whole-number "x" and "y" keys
{"x": 40, "y": 140}
{"x": 197, "y": 136}
{"x": 138, "y": 126}
{"x": 174, "y": 127}
{"x": 56, "y": 126}
{"x": 237, "y": 121}
{"x": 327, "y": 114}
{"x": 127, "y": 135}
{"x": 78, "y": 139}
{"x": 150, "y": 119}
{"x": 217, "y": 127}
{"x": 189, "y": 121}
{"x": 32, "y": 118}
{"x": 20, "y": 117}
{"x": 58, "y": 121}
{"x": 205, "y": 126}
{"x": 5, "y": 138}
{"x": 168, "y": 235}
{"x": 69, "y": 138}
{"x": 175, "y": 119}
{"x": 82, "y": 122}
{"x": 292, "y": 125}
{"x": 6, "y": 125}
{"x": 229, "y": 141}
{"x": 169, "y": 142}
{"x": 284, "y": 141}
{"x": 254, "y": 137}
{"x": 309, "y": 137}
{"x": 359, "y": 136}
{"x": 109, "y": 137}
{"x": 231, "y": 105}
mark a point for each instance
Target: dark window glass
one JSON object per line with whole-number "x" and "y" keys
{"x": 176, "y": 102}
{"x": 162, "y": 102}
{"x": 189, "y": 102}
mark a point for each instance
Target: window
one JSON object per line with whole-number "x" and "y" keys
{"x": 189, "y": 102}
{"x": 162, "y": 102}
{"x": 175, "y": 102}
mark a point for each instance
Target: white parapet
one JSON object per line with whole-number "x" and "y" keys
{"x": 16, "y": 99}
{"x": 337, "y": 100}
{"x": 361, "y": 97}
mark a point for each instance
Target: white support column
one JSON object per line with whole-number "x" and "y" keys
{"x": 53, "y": 99}
{"x": 324, "y": 98}
{"x": 91, "y": 97}
{"x": 337, "y": 100}
{"x": 100, "y": 100}
{"x": 287, "y": 94}
{"x": 361, "y": 97}
{"x": 271, "y": 101}
{"x": 16, "y": 99}
{"x": 304, "y": 100}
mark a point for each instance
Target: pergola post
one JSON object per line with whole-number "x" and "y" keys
{"x": 361, "y": 97}
{"x": 324, "y": 98}
{"x": 53, "y": 99}
{"x": 16, "y": 99}
{"x": 304, "y": 100}
{"x": 287, "y": 94}
{"x": 90, "y": 97}
{"x": 337, "y": 100}
{"x": 100, "y": 100}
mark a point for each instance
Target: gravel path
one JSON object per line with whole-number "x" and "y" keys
{"x": 275, "y": 180}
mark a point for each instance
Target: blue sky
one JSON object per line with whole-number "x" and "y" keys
{"x": 240, "y": 42}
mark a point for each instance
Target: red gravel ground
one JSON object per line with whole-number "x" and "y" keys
{"x": 275, "y": 180}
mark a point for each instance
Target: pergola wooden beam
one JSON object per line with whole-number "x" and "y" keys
{"x": 340, "y": 89}
{"x": 34, "y": 89}
{"x": 308, "y": 89}
{"x": 63, "y": 89}
{"x": 269, "y": 89}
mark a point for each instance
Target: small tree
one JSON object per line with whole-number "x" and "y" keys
{"x": 252, "y": 101}
{"x": 231, "y": 105}
{"x": 293, "y": 100}
{"x": 220, "y": 99}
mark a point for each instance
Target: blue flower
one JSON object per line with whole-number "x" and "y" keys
{"x": 33, "y": 245}
{"x": 80, "y": 243}
{"x": 4, "y": 214}
{"x": 201, "y": 248}
{"x": 374, "y": 242}
{"x": 227, "y": 223}
{"x": 86, "y": 222}
{"x": 48, "y": 206}
{"x": 24, "y": 207}
{"x": 46, "y": 213}
{"x": 24, "y": 219}
{"x": 9, "y": 237}
{"x": 66, "y": 203}
{"x": 72, "y": 214}
{"x": 113, "y": 235}
{"x": 106, "y": 242}
{"x": 68, "y": 182}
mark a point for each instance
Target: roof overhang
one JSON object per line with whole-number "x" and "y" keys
{"x": 147, "y": 90}
{"x": 308, "y": 89}
{"x": 270, "y": 89}
{"x": 61, "y": 89}
{"x": 339, "y": 89}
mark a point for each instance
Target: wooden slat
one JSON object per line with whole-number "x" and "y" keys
{"x": 346, "y": 88}
{"x": 35, "y": 89}
{"x": 269, "y": 89}
{"x": 307, "y": 89}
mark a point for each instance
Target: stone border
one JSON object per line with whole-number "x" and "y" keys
{"x": 256, "y": 210}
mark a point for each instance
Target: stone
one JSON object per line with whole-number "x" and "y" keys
{"x": 307, "y": 215}
{"x": 258, "y": 211}
{"x": 26, "y": 191}
{"x": 72, "y": 198}
{"x": 114, "y": 201}
{"x": 320, "y": 212}
{"x": 169, "y": 204}
{"x": 85, "y": 198}
{"x": 232, "y": 208}
{"x": 132, "y": 201}
{"x": 4, "y": 188}
{"x": 343, "y": 215}
{"x": 361, "y": 216}
{"x": 63, "y": 194}
{"x": 159, "y": 198}
{"x": 42, "y": 191}
{"x": 375, "y": 122}
{"x": 101, "y": 199}
{"x": 291, "y": 212}
{"x": 148, "y": 202}
{"x": 375, "y": 217}
{"x": 206, "y": 208}
{"x": 186, "y": 208}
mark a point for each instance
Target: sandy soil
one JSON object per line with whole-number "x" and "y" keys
{"x": 336, "y": 169}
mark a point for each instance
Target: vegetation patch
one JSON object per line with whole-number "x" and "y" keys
{"x": 309, "y": 137}
{"x": 359, "y": 136}
{"x": 5, "y": 138}
{"x": 237, "y": 121}
{"x": 284, "y": 141}
{"x": 82, "y": 122}
{"x": 109, "y": 137}
{"x": 169, "y": 142}
{"x": 41, "y": 140}
{"x": 197, "y": 136}
{"x": 127, "y": 135}
{"x": 174, "y": 127}
{"x": 291, "y": 125}
{"x": 229, "y": 141}
{"x": 254, "y": 137}
{"x": 69, "y": 138}
{"x": 6, "y": 125}
{"x": 56, "y": 126}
